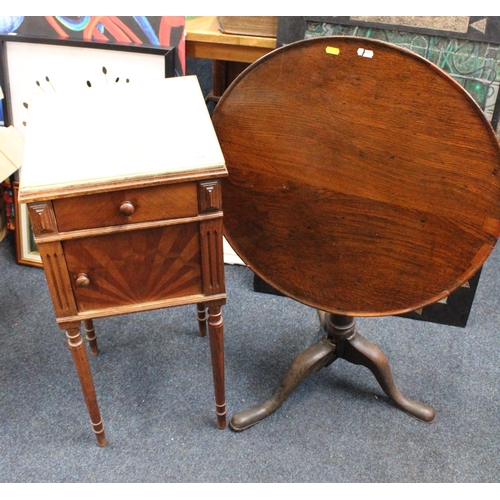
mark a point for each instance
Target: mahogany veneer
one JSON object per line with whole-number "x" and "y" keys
{"x": 133, "y": 221}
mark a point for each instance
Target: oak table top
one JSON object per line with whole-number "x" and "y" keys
{"x": 363, "y": 180}
{"x": 205, "y": 40}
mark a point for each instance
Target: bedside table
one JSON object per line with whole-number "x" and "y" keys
{"x": 123, "y": 192}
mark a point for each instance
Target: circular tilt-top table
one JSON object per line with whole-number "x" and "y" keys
{"x": 363, "y": 181}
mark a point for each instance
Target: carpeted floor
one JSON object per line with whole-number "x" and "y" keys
{"x": 154, "y": 386}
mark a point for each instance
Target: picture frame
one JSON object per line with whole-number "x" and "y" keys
{"x": 479, "y": 28}
{"x": 31, "y": 65}
{"x": 26, "y": 250}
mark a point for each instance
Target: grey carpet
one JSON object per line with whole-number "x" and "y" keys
{"x": 154, "y": 386}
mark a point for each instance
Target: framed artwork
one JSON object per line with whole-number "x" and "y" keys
{"x": 26, "y": 250}
{"x": 30, "y": 66}
{"x": 466, "y": 47}
{"x": 164, "y": 31}
{"x": 480, "y": 28}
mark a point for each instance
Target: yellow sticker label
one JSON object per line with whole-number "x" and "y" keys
{"x": 333, "y": 50}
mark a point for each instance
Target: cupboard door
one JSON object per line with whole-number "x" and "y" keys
{"x": 134, "y": 267}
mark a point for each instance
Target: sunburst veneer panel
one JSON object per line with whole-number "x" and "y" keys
{"x": 135, "y": 267}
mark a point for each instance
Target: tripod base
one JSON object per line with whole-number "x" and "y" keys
{"x": 341, "y": 341}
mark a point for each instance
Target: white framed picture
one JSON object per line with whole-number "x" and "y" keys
{"x": 30, "y": 66}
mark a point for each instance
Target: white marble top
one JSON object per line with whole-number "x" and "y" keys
{"x": 118, "y": 132}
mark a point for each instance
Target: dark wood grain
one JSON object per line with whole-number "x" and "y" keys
{"x": 359, "y": 186}
{"x": 103, "y": 209}
{"x": 135, "y": 267}
{"x": 143, "y": 247}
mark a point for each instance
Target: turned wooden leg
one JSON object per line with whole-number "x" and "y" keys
{"x": 216, "y": 334}
{"x": 202, "y": 318}
{"x": 91, "y": 336}
{"x": 79, "y": 353}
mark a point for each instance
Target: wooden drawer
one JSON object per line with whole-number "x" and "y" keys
{"x": 126, "y": 207}
{"x": 134, "y": 267}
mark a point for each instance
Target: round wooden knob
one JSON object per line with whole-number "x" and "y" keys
{"x": 82, "y": 281}
{"x": 127, "y": 208}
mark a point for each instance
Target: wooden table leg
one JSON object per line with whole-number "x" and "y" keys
{"x": 308, "y": 362}
{"x": 79, "y": 353}
{"x": 358, "y": 350}
{"x": 342, "y": 341}
{"x": 202, "y": 318}
{"x": 361, "y": 351}
{"x": 91, "y": 336}
{"x": 216, "y": 334}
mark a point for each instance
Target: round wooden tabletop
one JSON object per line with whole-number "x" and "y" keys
{"x": 363, "y": 180}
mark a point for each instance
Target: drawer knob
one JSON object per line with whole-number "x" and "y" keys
{"x": 82, "y": 281}
{"x": 126, "y": 208}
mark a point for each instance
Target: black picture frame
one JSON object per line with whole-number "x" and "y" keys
{"x": 165, "y": 66}
{"x": 293, "y": 28}
{"x": 168, "y": 54}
